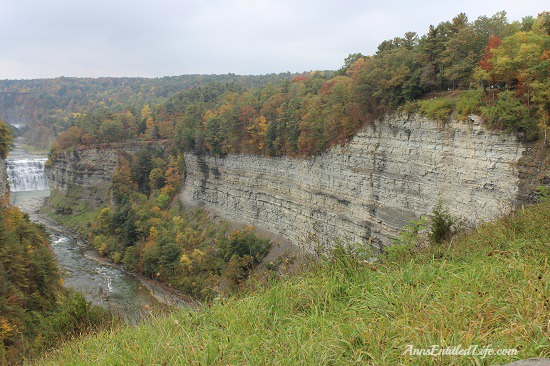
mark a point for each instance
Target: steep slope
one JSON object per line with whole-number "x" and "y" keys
{"x": 3, "y": 177}
{"x": 393, "y": 171}
{"x": 489, "y": 288}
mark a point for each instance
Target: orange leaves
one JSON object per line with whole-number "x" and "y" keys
{"x": 485, "y": 63}
{"x": 12, "y": 217}
{"x": 299, "y": 78}
{"x": 256, "y": 130}
{"x": 72, "y": 137}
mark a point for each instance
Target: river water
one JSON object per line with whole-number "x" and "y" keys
{"x": 103, "y": 283}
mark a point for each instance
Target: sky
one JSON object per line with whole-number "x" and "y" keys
{"x": 93, "y": 38}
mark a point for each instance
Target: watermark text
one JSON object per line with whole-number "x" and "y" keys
{"x": 436, "y": 350}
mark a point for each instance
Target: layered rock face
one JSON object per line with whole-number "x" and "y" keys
{"x": 88, "y": 171}
{"x": 3, "y": 177}
{"x": 85, "y": 168}
{"x": 393, "y": 171}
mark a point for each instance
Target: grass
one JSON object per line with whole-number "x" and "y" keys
{"x": 441, "y": 106}
{"x": 34, "y": 150}
{"x": 81, "y": 211}
{"x": 490, "y": 287}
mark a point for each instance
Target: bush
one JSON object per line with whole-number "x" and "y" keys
{"x": 438, "y": 109}
{"x": 243, "y": 243}
{"x": 408, "y": 240}
{"x": 441, "y": 225}
{"x": 469, "y": 102}
{"x": 510, "y": 114}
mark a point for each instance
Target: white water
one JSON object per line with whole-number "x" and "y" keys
{"x": 103, "y": 284}
{"x": 27, "y": 174}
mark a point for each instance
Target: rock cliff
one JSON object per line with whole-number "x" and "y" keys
{"x": 85, "y": 167}
{"x": 86, "y": 174}
{"x": 89, "y": 171}
{"x": 393, "y": 171}
{"x": 4, "y": 187}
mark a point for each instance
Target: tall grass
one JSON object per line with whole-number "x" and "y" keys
{"x": 490, "y": 287}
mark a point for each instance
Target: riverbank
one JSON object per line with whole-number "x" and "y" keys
{"x": 161, "y": 292}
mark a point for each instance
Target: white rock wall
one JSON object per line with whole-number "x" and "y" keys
{"x": 391, "y": 172}
{"x": 3, "y": 177}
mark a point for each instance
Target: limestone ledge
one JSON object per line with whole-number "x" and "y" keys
{"x": 3, "y": 177}
{"x": 393, "y": 171}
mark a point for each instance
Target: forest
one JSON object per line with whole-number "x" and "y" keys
{"x": 49, "y": 106}
{"x": 489, "y": 66}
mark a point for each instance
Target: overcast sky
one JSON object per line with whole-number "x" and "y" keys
{"x": 91, "y": 38}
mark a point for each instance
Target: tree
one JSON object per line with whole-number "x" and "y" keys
{"x": 519, "y": 59}
{"x": 70, "y": 138}
{"x": 348, "y": 61}
{"x": 541, "y": 24}
{"x": 431, "y": 49}
{"x": 6, "y": 139}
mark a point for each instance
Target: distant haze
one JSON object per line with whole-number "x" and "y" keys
{"x": 42, "y": 39}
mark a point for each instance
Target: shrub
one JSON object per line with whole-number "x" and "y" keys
{"x": 510, "y": 114}
{"x": 438, "y": 109}
{"x": 407, "y": 241}
{"x": 243, "y": 243}
{"x": 469, "y": 102}
{"x": 441, "y": 225}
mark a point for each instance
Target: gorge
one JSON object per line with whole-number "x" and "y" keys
{"x": 101, "y": 282}
{"x": 395, "y": 170}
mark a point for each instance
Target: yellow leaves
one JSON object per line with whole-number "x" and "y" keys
{"x": 6, "y": 329}
{"x": 178, "y": 220}
{"x": 168, "y": 190}
{"x": 209, "y": 115}
{"x": 103, "y": 218}
{"x": 198, "y": 256}
{"x": 151, "y": 129}
{"x": 257, "y": 130}
{"x": 102, "y": 249}
{"x": 153, "y": 233}
{"x": 146, "y": 112}
{"x": 12, "y": 217}
{"x": 186, "y": 262}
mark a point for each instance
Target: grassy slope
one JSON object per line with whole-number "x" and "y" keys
{"x": 491, "y": 287}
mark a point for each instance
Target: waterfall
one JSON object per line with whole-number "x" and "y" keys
{"x": 27, "y": 174}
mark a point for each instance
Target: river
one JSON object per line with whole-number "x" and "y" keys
{"x": 102, "y": 282}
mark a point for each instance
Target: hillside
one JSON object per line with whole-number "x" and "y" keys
{"x": 49, "y": 106}
{"x": 487, "y": 288}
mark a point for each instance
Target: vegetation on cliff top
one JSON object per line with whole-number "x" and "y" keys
{"x": 490, "y": 66}
{"x": 487, "y": 288}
